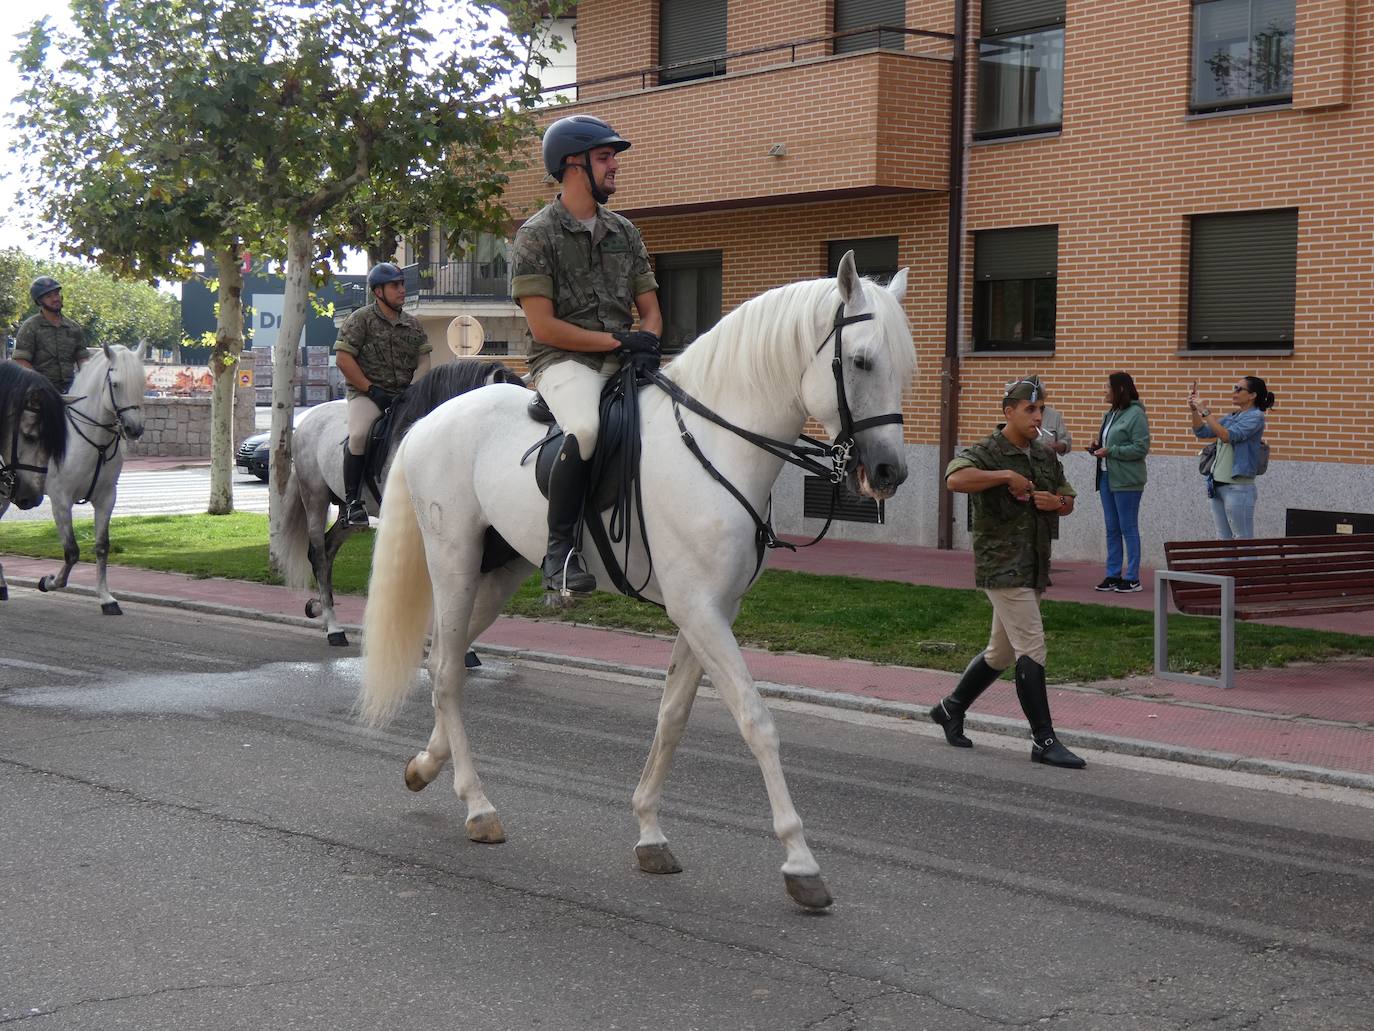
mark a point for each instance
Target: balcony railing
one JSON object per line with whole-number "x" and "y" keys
{"x": 459, "y": 280}
{"x": 887, "y": 36}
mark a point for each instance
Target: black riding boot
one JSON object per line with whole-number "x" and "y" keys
{"x": 354, "y": 511}
{"x": 567, "y": 491}
{"x": 949, "y": 712}
{"x": 1035, "y": 703}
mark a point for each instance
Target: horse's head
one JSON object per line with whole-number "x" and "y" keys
{"x": 126, "y": 384}
{"x": 36, "y": 434}
{"x": 876, "y": 359}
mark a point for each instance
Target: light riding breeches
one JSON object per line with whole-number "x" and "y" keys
{"x": 362, "y": 413}
{"x": 573, "y": 393}
{"x": 1016, "y": 626}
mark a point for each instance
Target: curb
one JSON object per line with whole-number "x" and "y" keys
{"x": 813, "y": 696}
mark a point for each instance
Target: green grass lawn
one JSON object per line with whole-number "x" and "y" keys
{"x": 841, "y": 617}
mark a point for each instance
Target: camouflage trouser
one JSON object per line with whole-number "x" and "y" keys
{"x": 362, "y": 413}
{"x": 573, "y": 393}
{"x": 1016, "y": 626}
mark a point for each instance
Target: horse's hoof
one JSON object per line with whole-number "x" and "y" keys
{"x": 413, "y": 779}
{"x": 338, "y": 638}
{"x": 4, "y": 594}
{"x": 808, "y": 891}
{"x": 111, "y": 608}
{"x": 657, "y": 859}
{"x": 470, "y": 660}
{"x": 486, "y": 829}
{"x": 313, "y": 608}
{"x": 43, "y": 584}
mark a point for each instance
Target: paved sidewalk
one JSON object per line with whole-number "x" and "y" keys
{"x": 1309, "y": 722}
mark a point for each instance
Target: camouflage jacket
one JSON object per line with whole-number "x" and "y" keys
{"x": 592, "y": 277}
{"x": 387, "y": 352}
{"x": 1011, "y": 539}
{"x": 52, "y": 350}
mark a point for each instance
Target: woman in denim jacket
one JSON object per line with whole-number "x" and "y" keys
{"x": 1232, "y": 483}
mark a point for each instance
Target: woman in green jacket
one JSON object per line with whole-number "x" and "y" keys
{"x": 1123, "y": 441}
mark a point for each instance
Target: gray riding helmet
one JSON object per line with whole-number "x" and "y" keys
{"x": 577, "y": 134}
{"x": 42, "y": 286}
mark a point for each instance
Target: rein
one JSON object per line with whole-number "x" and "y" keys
{"x": 104, "y": 452}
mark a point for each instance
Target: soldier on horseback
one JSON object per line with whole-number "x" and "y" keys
{"x": 580, "y": 272}
{"x": 380, "y": 350}
{"x": 49, "y": 342}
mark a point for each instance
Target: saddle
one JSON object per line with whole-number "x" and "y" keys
{"x": 374, "y": 455}
{"x": 605, "y": 481}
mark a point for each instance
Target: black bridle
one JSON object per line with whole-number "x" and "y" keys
{"x": 104, "y": 452}
{"x": 9, "y": 471}
{"x": 811, "y": 455}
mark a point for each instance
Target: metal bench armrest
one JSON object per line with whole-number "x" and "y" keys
{"x": 1228, "y": 628}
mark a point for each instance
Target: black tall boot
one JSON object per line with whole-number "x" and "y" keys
{"x": 562, "y": 569}
{"x": 1035, "y": 703}
{"x": 354, "y": 511}
{"x": 949, "y": 712}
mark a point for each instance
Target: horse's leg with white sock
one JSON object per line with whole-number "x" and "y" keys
{"x": 103, "y": 507}
{"x": 714, "y": 643}
{"x": 62, "y": 519}
{"x": 324, "y": 579}
{"x": 679, "y": 691}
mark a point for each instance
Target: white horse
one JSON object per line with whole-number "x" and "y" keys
{"x": 105, "y": 408}
{"x": 308, "y": 543}
{"x": 765, "y": 368}
{"x": 33, "y": 433}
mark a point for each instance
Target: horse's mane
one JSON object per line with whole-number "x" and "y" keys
{"x": 763, "y": 347}
{"x": 90, "y": 373}
{"x": 22, "y": 388}
{"x": 442, "y": 383}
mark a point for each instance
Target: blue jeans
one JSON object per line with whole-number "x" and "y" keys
{"x": 1233, "y": 508}
{"x": 1121, "y": 510}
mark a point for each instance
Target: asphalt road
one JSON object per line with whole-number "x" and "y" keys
{"x": 194, "y": 834}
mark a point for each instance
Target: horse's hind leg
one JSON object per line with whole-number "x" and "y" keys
{"x": 322, "y": 561}
{"x": 62, "y": 519}
{"x": 711, "y": 639}
{"x": 679, "y": 691}
{"x": 4, "y": 587}
{"x": 494, "y": 590}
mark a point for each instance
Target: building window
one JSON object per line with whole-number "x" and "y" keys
{"x": 691, "y": 38}
{"x": 1020, "y": 68}
{"x": 1015, "y": 287}
{"x": 1242, "y": 53}
{"x": 1243, "y": 280}
{"x": 858, "y": 14}
{"x": 689, "y": 293}
{"x": 875, "y": 257}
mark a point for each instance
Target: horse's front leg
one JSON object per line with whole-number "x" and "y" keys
{"x": 62, "y": 519}
{"x": 4, "y": 587}
{"x": 714, "y": 643}
{"x": 103, "y": 508}
{"x": 679, "y": 691}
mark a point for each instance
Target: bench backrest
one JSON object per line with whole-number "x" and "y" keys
{"x": 1275, "y": 570}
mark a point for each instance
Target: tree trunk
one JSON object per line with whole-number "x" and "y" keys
{"x": 299, "y": 250}
{"x": 224, "y": 364}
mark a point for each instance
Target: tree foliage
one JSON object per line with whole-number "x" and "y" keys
{"x": 112, "y": 311}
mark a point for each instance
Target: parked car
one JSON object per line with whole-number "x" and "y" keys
{"x": 252, "y": 455}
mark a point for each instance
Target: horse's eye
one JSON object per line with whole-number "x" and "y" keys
{"x": 862, "y": 363}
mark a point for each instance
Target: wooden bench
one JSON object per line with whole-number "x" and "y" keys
{"x": 1259, "y": 578}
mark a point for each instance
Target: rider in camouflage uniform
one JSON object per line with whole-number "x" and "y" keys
{"x": 1018, "y": 492}
{"x": 50, "y": 343}
{"x": 579, "y": 272}
{"x": 380, "y": 350}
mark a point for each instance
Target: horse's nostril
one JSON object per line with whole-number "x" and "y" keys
{"x": 887, "y": 474}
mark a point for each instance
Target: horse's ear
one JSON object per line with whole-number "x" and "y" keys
{"x": 897, "y": 288}
{"x": 106, "y": 348}
{"x": 848, "y": 278}
{"x": 141, "y": 349}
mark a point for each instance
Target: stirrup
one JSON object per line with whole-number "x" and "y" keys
{"x": 355, "y": 513}
{"x": 562, "y": 590}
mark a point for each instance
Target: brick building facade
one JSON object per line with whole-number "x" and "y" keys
{"x": 1126, "y": 127}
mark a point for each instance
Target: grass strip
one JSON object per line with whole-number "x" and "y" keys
{"x": 836, "y": 616}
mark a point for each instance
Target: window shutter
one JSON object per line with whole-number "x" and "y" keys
{"x": 1003, "y": 16}
{"x": 1244, "y": 278}
{"x": 855, "y": 14}
{"x": 1016, "y": 253}
{"x": 691, "y": 30}
{"x": 875, "y": 257}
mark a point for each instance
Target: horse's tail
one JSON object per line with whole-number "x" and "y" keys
{"x": 294, "y": 544}
{"x": 399, "y": 602}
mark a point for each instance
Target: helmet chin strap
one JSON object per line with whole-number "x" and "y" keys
{"x": 598, "y": 194}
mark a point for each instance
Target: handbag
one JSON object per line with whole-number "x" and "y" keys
{"x": 1206, "y": 458}
{"x": 1263, "y": 466}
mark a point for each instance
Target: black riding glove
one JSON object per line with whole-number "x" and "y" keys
{"x": 379, "y": 397}
{"x": 637, "y": 342}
